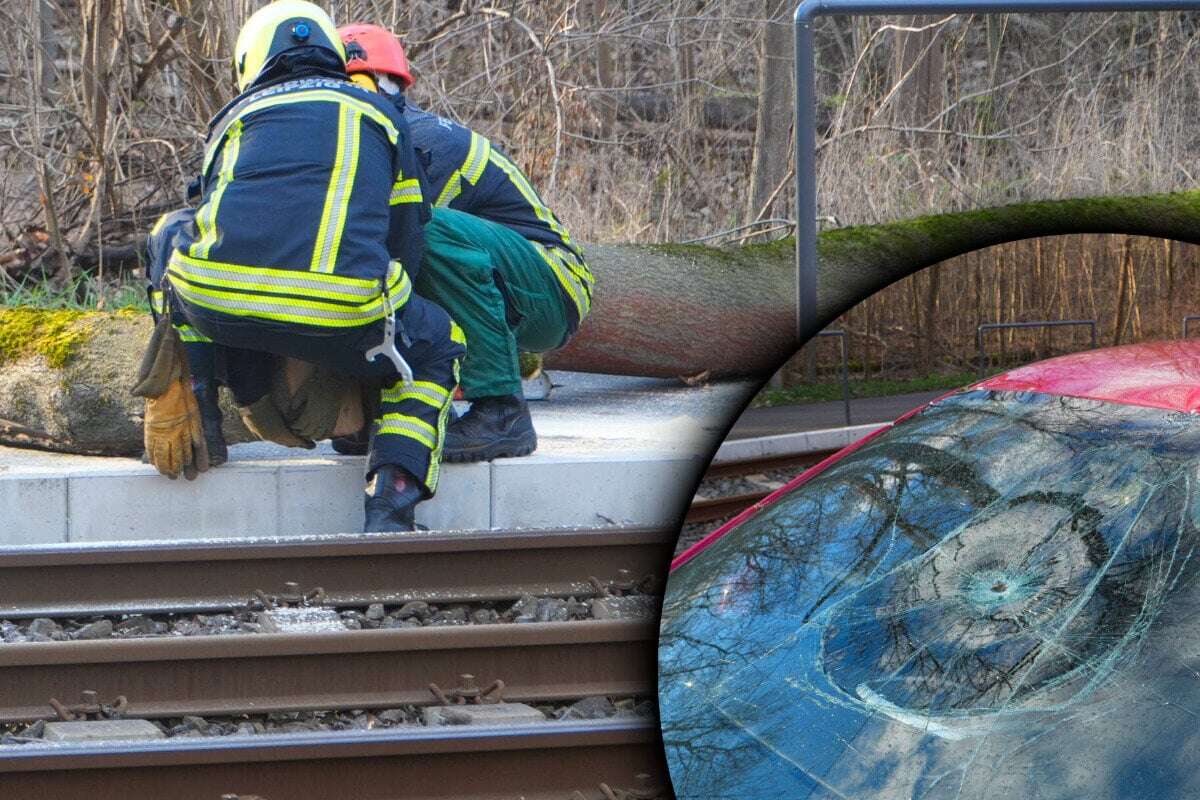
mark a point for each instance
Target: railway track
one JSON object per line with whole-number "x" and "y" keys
{"x": 729, "y": 505}
{"x": 172, "y": 676}
{"x": 592, "y": 760}
{"x": 81, "y": 580}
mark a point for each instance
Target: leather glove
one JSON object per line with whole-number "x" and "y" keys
{"x": 312, "y": 410}
{"x": 265, "y": 421}
{"x": 172, "y": 431}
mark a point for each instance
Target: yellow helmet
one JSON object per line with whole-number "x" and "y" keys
{"x": 279, "y": 27}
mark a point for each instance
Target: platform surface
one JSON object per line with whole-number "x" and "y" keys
{"x": 612, "y": 450}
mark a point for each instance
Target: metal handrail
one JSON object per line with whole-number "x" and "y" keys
{"x": 996, "y": 326}
{"x": 845, "y": 371}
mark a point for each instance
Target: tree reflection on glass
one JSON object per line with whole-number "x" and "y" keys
{"x": 993, "y": 599}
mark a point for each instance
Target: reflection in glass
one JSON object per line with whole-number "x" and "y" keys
{"x": 994, "y": 599}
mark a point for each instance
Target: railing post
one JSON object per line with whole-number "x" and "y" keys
{"x": 998, "y": 326}
{"x": 806, "y": 103}
{"x": 845, "y": 370}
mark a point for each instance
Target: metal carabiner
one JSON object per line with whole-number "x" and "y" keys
{"x": 387, "y": 348}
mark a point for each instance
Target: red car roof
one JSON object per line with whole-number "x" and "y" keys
{"x": 1155, "y": 374}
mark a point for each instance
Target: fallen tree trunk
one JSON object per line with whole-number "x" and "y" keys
{"x": 660, "y": 310}
{"x": 678, "y": 310}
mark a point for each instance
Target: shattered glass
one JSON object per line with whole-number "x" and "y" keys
{"x": 997, "y": 598}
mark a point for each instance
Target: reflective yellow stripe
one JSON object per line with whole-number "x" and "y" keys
{"x": 579, "y": 288}
{"x": 344, "y": 282}
{"x": 279, "y": 281}
{"x": 405, "y": 425}
{"x": 457, "y": 334}
{"x": 451, "y": 190}
{"x": 471, "y": 170}
{"x": 206, "y": 217}
{"x": 158, "y": 302}
{"x": 292, "y": 309}
{"x": 158, "y": 226}
{"x": 405, "y": 191}
{"x": 477, "y": 158}
{"x": 337, "y": 196}
{"x": 426, "y": 392}
{"x": 435, "y": 458}
{"x": 527, "y": 191}
{"x": 189, "y": 334}
{"x": 308, "y": 96}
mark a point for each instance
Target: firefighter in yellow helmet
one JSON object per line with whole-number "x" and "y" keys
{"x": 305, "y": 244}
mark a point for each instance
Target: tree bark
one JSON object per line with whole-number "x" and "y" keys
{"x": 917, "y": 71}
{"x": 660, "y": 310}
{"x": 772, "y": 134}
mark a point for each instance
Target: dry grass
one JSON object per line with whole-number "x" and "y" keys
{"x": 636, "y": 119}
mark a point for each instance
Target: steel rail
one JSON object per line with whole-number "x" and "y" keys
{"x": 750, "y": 466}
{"x": 259, "y": 673}
{"x": 717, "y": 508}
{"x": 470, "y": 566}
{"x": 535, "y": 762}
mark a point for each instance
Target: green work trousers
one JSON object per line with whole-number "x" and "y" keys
{"x": 501, "y": 292}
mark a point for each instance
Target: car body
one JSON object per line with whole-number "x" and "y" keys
{"x": 991, "y": 597}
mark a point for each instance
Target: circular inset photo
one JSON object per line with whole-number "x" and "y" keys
{"x": 892, "y": 587}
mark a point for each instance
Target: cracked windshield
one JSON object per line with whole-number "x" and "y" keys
{"x": 989, "y": 600}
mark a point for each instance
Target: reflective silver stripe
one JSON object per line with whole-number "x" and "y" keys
{"x": 333, "y": 218}
{"x": 471, "y": 170}
{"x": 527, "y": 191}
{"x": 406, "y": 191}
{"x": 308, "y": 312}
{"x": 206, "y": 218}
{"x": 425, "y": 391}
{"x": 272, "y": 96}
{"x": 405, "y": 425}
{"x": 435, "y": 458}
{"x": 477, "y": 158}
{"x": 451, "y": 190}
{"x": 577, "y": 287}
{"x": 264, "y": 281}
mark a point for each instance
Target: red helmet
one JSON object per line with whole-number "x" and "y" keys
{"x": 370, "y": 48}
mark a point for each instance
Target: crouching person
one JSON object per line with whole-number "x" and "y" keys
{"x": 304, "y": 246}
{"x": 496, "y": 257}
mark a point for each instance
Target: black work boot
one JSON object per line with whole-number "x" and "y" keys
{"x": 392, "y": 497}
{"x": 210, "y": 421}
{"x": 494, "y": 427}
{"x": 355, "y": 444}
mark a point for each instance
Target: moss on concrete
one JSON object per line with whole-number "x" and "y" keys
{"x": 55, "y": 335}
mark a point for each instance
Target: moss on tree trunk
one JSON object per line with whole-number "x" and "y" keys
{"x": 660, "y": 310}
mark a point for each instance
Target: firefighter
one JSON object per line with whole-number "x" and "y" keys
{"x": 497, "y": 258}
{"x": 304, "y": 246}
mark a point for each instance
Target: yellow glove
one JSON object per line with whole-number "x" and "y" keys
{"x": 172, "y": 430}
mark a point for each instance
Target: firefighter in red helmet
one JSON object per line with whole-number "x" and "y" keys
{"x": 497, "y": 258}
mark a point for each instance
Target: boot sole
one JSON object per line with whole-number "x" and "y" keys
{"x": 504, "y": 448}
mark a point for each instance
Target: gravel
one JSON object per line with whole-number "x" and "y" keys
{"x": 713, "y": 488}
{"x": 413, "y": 614}
{"x": 360, "y": 719}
